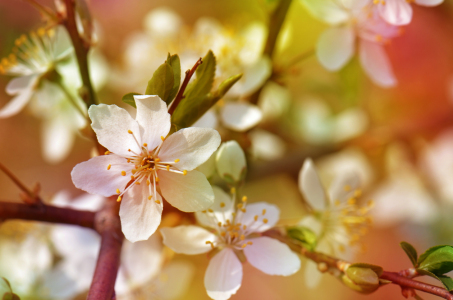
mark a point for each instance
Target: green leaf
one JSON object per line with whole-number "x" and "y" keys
{"x": 377, "y": 269}
{"x": 437, "y": 260}
{"x": 411, "y": 252}
{"x": 175, "y": 64}
{"x": 304, "y": 235}
{"x": 161, "y": 83}
{"x": 446, "y": 281}
{"x": 202, "y": 85}
{"x": 129, "y": 99}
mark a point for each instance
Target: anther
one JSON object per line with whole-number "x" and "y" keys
{"x": 137, "y": 182}
{"x": 210, "y": 210}
{"x": 244, "y": 199}
{"x": 157, "y": 179}
{"x": 255, "y": 218}
{"x": 130, "y": 131}
{"x": 162, "y": 138}
{"x": 157, "y": 160}
{"x": 357, "y": 193}
{"x": 242, "y": 237}
{"x": 145, "y": 145}
{"x": 176, "y": 160}
{"x": 157, "y": 201}
{"x": 222, "y": 204}
{"x": 148, "y": 182}
{"x": 119, "y": 199}
{"x": 249, "y": 243}
{"x": 118, "y": 191}
{"x": 132, "y": 177}
{"x": 264, "y": 212}
{"x": 265, "y": 221}
{"x": 123, "y": 173}
{"x": 233, "y": 190}
{"x": 149, "y": 197}
{"x": 108, "y": 167}
{"x": 168, "y": 167}
{"x": 184, "y": 172}
{"x": 107, "y": 152}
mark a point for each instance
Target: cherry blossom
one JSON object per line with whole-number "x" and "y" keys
{"x": 143, "y": 164}
{"x": 399, "y": 12}
{"x": 233, "y": 229}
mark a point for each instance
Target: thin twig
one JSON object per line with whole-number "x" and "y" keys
{"x": 81, "y": 50}
{"x": 180, "y": 95}
{"x": 71, "y": 98}
{"x": 46, "y": 213}
{"x": 33, "y": 196}
{"x": 109, "y": 226}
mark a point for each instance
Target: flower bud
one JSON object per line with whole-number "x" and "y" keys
{"x": 361, "y": 279}
{"x": 230, "y": 162}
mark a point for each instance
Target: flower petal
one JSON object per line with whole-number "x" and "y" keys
{"x": 312, "y": 275}
{"x": 192, "y": 146}
{"x": 335, "y": 47}
{"x": 153, "y": 119}
{"x": 311, "y": 187}
{"x": 57, "y": 139}
{"x": 344, "y": 187}
{"x": 253, "y": 77}
{"x": 240, "y": 116}
{"x": 139, "y": 216}
{"x": 429, "y": 2}
{"x": 208, "y": 120}
{"x": 19, "y": 84}
{"x": 188, "y": 239}
{"x": 376, "y": 64}
{"x": 181, "y": 274}
{"x": 272, "y": 257}
{"x": 396, "y": 12}
{"x": 221, "y": 212}
{"x": 83, "y": 202}
{"x": 327, "y": 10}
{"x": 93, "y": 177}
{"x": 191, "y": 192}
{"x": 111, "y": 124}
{"x": 230, "y": 160}
{"x": 223, "y": 276}
{"x": 262, "y": 211}
{"x": 66, "y": 238}
{"x": 16, "y": 104}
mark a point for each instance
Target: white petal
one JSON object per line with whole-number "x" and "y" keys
{"x": 223, "y": 276}
{"x": 253, "y": 77}
{"x": 344, "y": 187}
{"x": 19, "y": 84}
{"x": 188, "y": 239}
{"x": 272, "y": 257}
{"x": 192, "y": 146}
{"x": 66, "y": 238}
{"x": 93, "y": 177}
{"x": 111, "y": 124}
{"x": 208, "y": 120}
{"x": 16, "y": 104}
{"x": 230, "y": 160}
{"x": 191, "y": 192}
{"x": 153, "y": 119}
{"x": 87, "y": 202}
{"x": 57, "y": 140}
{"x": 266, "y": 145}
{"x": 376, "y": 64}
{"x": 312, "y": 223}
{"x": 335, "y": 47}
{"x": 221, "y": 213}
{"x": 429, "y": 2}
{"x": 163, "y": 22}
{"x": 240, "y": 116}
{"x": 396, "y": 12}
{"x": 312, "y": 274}
{"x": 327, "y": 10}
{"x": 271, "y": 214}
{"x": 208, "y": 167}
{"x": 56, "y": 284}
{"x": 311, "y": 187}
{"x": 139, "y": 216}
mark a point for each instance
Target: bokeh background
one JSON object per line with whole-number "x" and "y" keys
{"x": 402, "y": 124}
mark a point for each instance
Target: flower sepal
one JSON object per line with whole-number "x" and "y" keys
{"x": 363, "y": 278}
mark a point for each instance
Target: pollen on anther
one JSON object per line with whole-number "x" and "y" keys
{"x": 168, "y": 167}
{"x": 157, "y": 160}
{"x": 157, "y": 179}
{"x": 129, "y": 131}
{"x": 249, "y": 243}
{"x": 108, "y": 167}
{"x": 243, "y": 246}
{"x": 149, "y": 197}
{"x": 242, "y": 237}
{"x": 123, "y": 173}
{"x": 119, "y": 199}
{"x": 137, "y": 182}
{"x": 210, "y": 210}
{"x": 265, "y": 221}
{"x": 255, "y": 218}
{"x": 145, "y": 145}
{"x": 107, "y": 152}
{"x": 148, "y": 182}
{"x": 118, "y": 191}
{"x": 132, "y": 177}
{"x": 184, "y": 172}
{"x": 244, "y": 199}
{"x": 162, "y": 138}
{"x": 176, "y": 160}
{"x": 157, "y": 201}
{"x": 222, "y": 204}
{"x": 264, "y": 212}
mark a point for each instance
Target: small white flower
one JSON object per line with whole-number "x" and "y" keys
{"x": 31, "y": 59}
{"x": 230, "y": 161}
{"x": 399, "y": 12}
{"x": 336, "y": 219}
{"x": 232, "y": 231}
{"x": 354, "y": 20}
{"x": 141, "y": 159}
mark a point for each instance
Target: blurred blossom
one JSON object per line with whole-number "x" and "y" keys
{"x": 266, "y": 145}
{"x": 274, "y": 101}
{"x": 354, "y": 21}
{"x": 399, "y": 12}
{"x": 141, "y": 158}
{"x": 230, "y": 162}
{"x": 319, "y": 125}
{"x": 402, "y": 196}
{"x": 25, "y": 262}
{"x": 235, "y": 229}
{"x": 336, "y": 218}
{"x": 33, "y": 59}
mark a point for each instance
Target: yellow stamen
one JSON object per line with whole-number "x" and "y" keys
{"x": 242, "y": 237}
{"x": 176, "y": 160}
{"x": 162, "y": 138}
{"x": 118, "y": 191}
{"x": 157, "y": 201}
{"x": 210, "y": 210}
{"x": 137, "y": 182}
{"x": 244, "y": 199}
{"x": 157, "y": 179}
{"x": 132, "y": 177}
{"x": 149, "y": 197}
{"x": 347, "y": 188}
{"x": 107, "y": 152}
{"x": 233, "y": 190}
{"x": 256, "y": 218}
{"x": 222, "y": 204}
{"x": 123, "y": 173}
{"x": 184, "y": 172}
{"x": 130, "y": 131}
{"x": 249, "y": 243}
{"x": 157, "y": 160}
{"x": 108, "y": 167}
{"x": 265, "y": 221}
{"x": 264, "y": 212}
{"x": 168, "y": 167}
{"x": 145, "y": 145}
{"x": 119, "y": 199}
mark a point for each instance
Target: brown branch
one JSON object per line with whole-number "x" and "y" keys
{"x": 46, "y": 213}
{"x": 81, "y": 49}
{"x": 180, "y": 95}
{"x": 31, "y": 196}
{"x": 416, "y": 285}
{"x": 109, "y": 226}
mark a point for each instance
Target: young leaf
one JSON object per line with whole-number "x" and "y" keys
{"x": 205, "y": 78}
{"x": 411, "y": 252}
{"x": 304, "y": 235}
{"x": 446, "y": 281}
{"x": 161, "y": 84}
{"x": 129, "y": 99}
{"x": 437, "y": 260}
{"x": 175, "y": 64}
